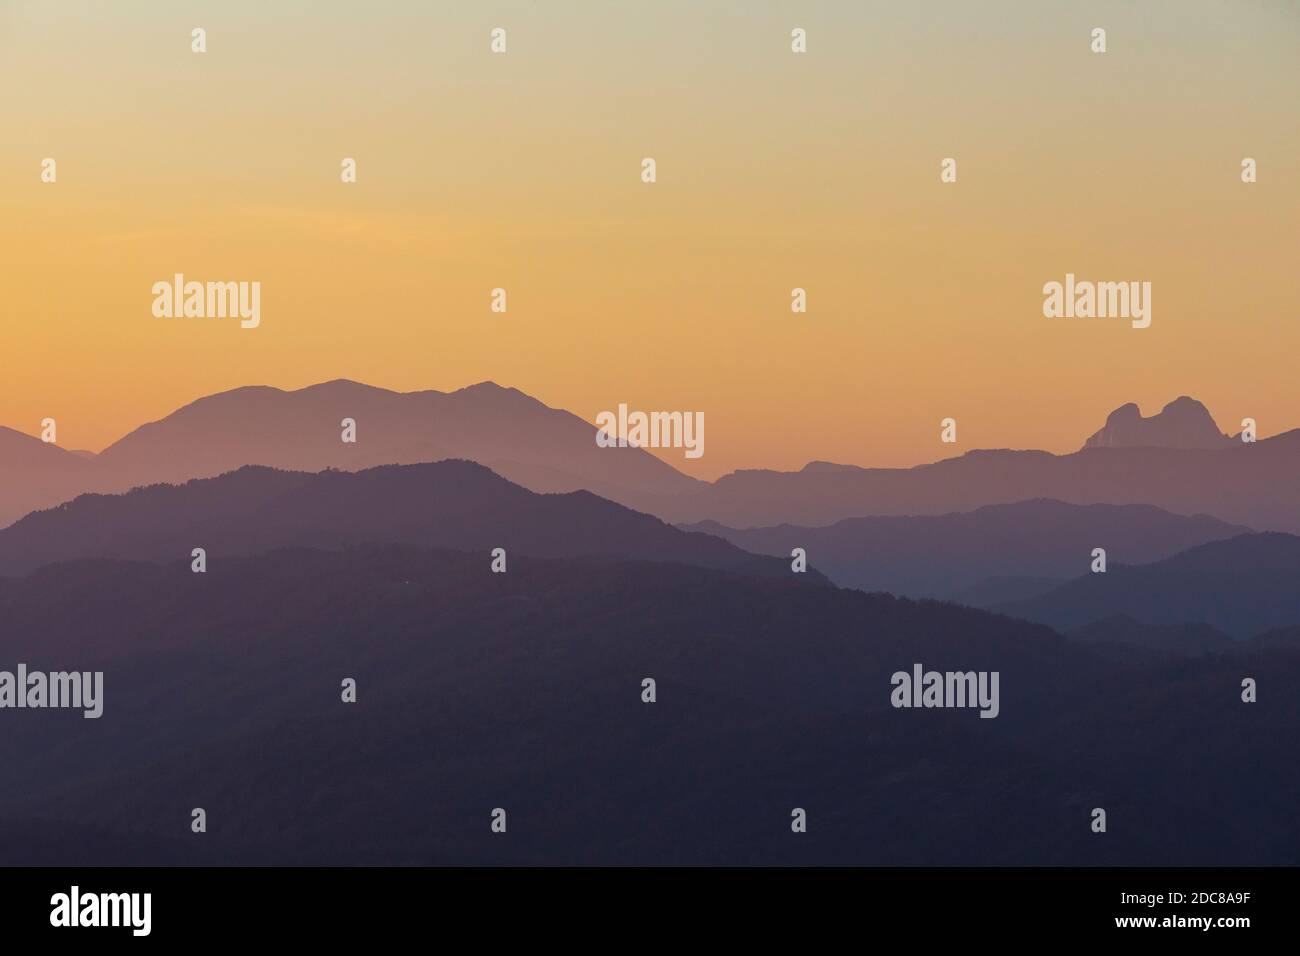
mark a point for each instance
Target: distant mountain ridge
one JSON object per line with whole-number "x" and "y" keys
{"x": 1241, "y": 586}
{"x": 545, "y": 449}
{"x": 946, "y": 556}
{"x": 501, "y": 428}
{"x": 36, "y": 474}
{"x": 1252, "y": 484}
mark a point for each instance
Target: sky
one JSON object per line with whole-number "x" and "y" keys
{"x": 775, "y": 170}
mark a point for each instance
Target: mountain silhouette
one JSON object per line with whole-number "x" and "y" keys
{"x": 1256, "y": 485}
{"x": 524, "y": 691}
{"x": 952, "y": 555}
{"x": 450, "y": 504}
{"x": 1183, "y": 423}
{"x": 1240, "y": 586}
{"x": 501, "y": 428}
{"x": 544, "y": 448}
{"x": 36, "y": 474}
{"x": 1252, "y": 484}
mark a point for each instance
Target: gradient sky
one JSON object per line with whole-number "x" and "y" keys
{"x": 775, "y": 170}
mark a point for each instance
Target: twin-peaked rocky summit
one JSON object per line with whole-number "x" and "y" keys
{"x": 1183, "y": 423}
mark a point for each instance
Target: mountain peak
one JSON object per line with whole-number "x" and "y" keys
{"x": 1183, "y": 423}
{"x": 343, "y": 387}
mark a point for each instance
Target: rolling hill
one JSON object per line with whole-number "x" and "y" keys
{"x": 1241, "y": 586}
{"x": 524, "y": 691}
{"x": 546, "y": 449}
{"x": 449, "y": 504}
{"x": 955, "y": 556}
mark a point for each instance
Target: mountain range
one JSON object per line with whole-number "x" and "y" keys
{"x": 452, "y": 504}
{"x": 953, "y": 556}
{"x": 525, "y": 690}
{"x": 1240, "y": 586}
{"x": 1168, "y": 461}
{"x": 1249, "y": 484}
{"x": 543, "y": 448}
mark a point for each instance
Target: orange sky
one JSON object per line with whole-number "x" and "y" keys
{"x": 775, "y": 170}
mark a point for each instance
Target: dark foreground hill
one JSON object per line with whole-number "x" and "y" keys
{"x": 523, "y": 691}
{"x": 1160, "y": 638}
{"x": 447, "y": 504}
